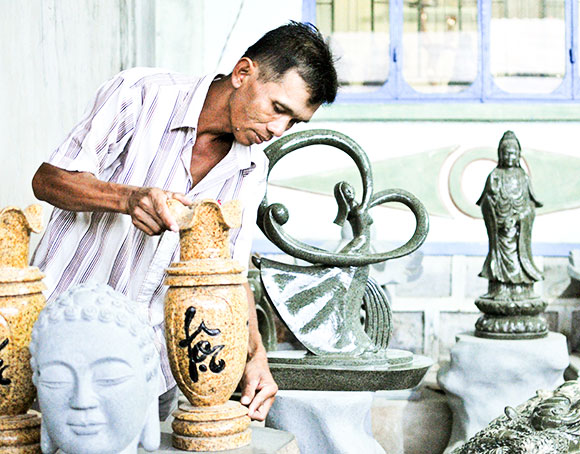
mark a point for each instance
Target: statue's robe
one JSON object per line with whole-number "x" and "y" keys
{"x": 507, "y": 204}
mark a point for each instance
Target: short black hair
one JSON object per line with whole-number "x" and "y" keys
{"x": 302, "y": 47}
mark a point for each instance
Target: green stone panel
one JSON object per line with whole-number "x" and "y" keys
{"x": 400, "y": 172}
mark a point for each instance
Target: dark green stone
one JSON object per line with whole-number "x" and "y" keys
{"x": 321, "y": 303}
{"x": 545, "y": 424}
{"x": 511, "y": 309}
{"x": 300, "y": 371}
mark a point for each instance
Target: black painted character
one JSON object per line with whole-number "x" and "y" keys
{"x": 202, "y": 349}
{"x": 3, "y": 381}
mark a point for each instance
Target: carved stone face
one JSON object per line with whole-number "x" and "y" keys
{"x": 509, "y": 154}
{"x": 92, "y": 388}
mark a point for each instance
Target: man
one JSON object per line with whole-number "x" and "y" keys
{"x": 151, "y": 136}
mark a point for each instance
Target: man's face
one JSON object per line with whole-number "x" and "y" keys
{"x": 91, "y": 388}
{"x": 260, "y": 110}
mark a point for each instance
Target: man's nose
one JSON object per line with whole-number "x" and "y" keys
{"x": 84, "y": 396}
{"x": 279, "y": 126}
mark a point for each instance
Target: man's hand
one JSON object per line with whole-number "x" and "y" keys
{"x": 258, "y": 387}
{"x": 149, "y": 211}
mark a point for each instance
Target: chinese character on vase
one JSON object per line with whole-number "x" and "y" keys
{"x": 202, "y": 349}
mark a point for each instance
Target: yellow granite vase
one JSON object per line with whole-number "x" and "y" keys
{"x": 206, "y": 329}
{"x": 21, "y": 300}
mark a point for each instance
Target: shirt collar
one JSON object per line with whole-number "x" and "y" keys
{"x": 188, "y": 113}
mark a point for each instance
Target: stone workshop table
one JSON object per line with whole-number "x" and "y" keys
{"x": 264, "y": 441}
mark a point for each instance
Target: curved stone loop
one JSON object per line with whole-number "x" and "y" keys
{"x": 297, "y": 140}
{"x": 421, "y": 219}
{"x": 271, "y": 218}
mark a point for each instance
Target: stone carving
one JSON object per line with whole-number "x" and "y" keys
{"x": 321, "y": 303}
{"x": 331, "y": 291}
{"x": 21, "y": 300}
{"x": 96, "y": 369}
{"x": 548, "y": 423}
{"x": 206, "y": 316}
{"x": 511, "y": 309}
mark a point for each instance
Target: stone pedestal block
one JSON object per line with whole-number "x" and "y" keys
{"x": 330, "y": 422}
{"x": 486, "y": 375}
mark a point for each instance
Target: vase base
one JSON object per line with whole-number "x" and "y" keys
{"x": 20, "y": 434}
{"x": 215, "y": 428}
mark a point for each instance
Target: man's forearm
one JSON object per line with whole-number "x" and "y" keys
{"x": 79, "y": 191}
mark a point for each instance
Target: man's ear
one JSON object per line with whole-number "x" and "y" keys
{"x": 245, "y": 67}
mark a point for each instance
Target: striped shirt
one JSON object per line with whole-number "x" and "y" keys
{"x": 140, "y": 131}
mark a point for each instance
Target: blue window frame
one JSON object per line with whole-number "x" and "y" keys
{"x": 486, "y": 80}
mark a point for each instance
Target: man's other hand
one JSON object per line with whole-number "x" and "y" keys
{"x": 258, "y": 387}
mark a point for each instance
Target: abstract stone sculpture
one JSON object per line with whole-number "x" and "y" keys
{"x": 321, "y": 303}
{"x": 206, "y": 316}
{"x": 548, "y": 423}
{"x": 96, "y": 369}
{"x": 21, "y": 300}
{"x": 511, "y": 309}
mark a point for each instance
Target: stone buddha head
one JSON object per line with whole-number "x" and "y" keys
{"x": 95, "y": 367}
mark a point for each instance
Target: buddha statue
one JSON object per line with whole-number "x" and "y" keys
{"x": 511, "y": 309}
{"x": 95, "y": 367}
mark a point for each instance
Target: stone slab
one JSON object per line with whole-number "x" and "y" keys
{"x": 264, "y": 441}
{"x": 486, "y": 375}
{"x": 329, "y": 422}
{"x": 373, "y": 375}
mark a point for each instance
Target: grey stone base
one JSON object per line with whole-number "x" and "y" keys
{"x": 326, "y": 422}
{"x": 297, "y": 371}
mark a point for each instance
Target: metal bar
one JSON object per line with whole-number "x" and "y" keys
{"x": 332, "y": 21}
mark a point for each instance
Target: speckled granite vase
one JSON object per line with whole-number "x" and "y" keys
{"x": 206, "y": 317}
{"x": 21, "y": 300}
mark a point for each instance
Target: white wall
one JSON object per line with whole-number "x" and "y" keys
{"x": 202, "y": 36}
{"x": 54, "y": 54}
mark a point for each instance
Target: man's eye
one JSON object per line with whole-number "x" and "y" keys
{"x": 278, "y": 109}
